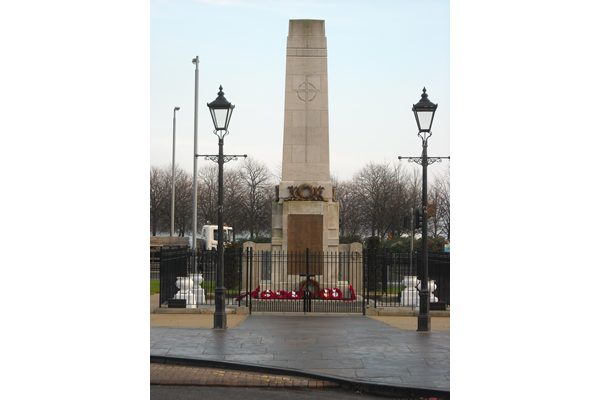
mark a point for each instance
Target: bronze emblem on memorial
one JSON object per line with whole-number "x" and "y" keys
{"x": 305, "y": 192}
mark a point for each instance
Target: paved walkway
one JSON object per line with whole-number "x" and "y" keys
{"x": 349, "y": 347}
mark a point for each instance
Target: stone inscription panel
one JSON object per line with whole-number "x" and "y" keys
{"x": 304, "y": 232}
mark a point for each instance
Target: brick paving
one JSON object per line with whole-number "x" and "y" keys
{"x": 165, "y": 374}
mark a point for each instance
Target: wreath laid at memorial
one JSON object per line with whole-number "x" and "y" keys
{"x": 253, "y": 294}
{"x": 353, "y": 294}
{"x": 331, "y": 294}
{"x": 325, "y": 293}
{"x": 307, "y": 284}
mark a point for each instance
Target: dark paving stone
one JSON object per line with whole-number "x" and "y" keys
{"x": 355, "y": 347}
{"x": 341, "y": 372}
{"x": 174, "y": 345}
{"x": 298, "y": 356}
{"x": 249, "y": 358}
{"x": 234, "y": 351}
{"x": 187, "y": 353}
{"x": 328, "y": 364}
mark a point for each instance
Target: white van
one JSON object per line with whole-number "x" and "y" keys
{"x": 210, "y": 238}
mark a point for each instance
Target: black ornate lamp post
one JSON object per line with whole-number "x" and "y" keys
{"x": 424, "y": 112}
{"x": 221, "y": 111}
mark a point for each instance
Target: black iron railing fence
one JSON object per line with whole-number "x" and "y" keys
{"x": 174, "y": 263}
{"x": 192, "y": 276}
{"x": 302, "y": 282}
{"x": 299, "y": 281}
{"x": 391, "y": 279}
{"x": 439, "y": 270}
{"x": 154, "y": 265}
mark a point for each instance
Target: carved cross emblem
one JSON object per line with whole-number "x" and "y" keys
{"x": 306, "y": 91}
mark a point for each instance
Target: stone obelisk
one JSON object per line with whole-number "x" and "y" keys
{"x": 306, "y": 214}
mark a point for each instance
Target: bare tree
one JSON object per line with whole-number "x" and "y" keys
{"x": 183, "y": 202}
{"x": 414, "y": 186}
{"x": 400, "y": 203}
{"x": 208, "y": 194}
{"x": 233, "y": 201}
{"x": 372, "y": 203}
{"x": 346, "y": 194}
{"x": 441, "y": 198}
{"x": 160, "y": 200}
{"x": 377, "y": 193}
{"x": 258, "y": 195}
{"x": 154, "y": 200}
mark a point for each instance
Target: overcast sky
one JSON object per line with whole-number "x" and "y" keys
{"x": 380, "y": 56}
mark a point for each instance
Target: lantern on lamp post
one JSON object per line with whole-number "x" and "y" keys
{"x": 220, "y": 111}
{"x": 424, "y": 112}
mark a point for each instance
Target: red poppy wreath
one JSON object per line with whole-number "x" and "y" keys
{"x": 336, "y": 294}
{"x": 351, "y": 292}
{"x": 312, "y": 283}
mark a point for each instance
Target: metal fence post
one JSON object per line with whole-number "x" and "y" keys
{"x": 247, "y": 261}
{"x": 251, "y": 268}
{"x": 377, "y": 262}
{"x": 364, "y": 280}
{"x": 239, "y": 263}
{"x": 160, "y": 279}
{"x": 384, "y": 277}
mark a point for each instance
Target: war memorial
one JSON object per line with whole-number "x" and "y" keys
{"x": 304, "y": 268}
{"x": 305, "y": 218}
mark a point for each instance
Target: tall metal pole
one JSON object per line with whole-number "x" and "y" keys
{"x": 220, "y": 319}
{"x": 221, "y": 122}
{"x": 195, "y": 188}
{"x": 424, "y": 319}
{"x": 173, "y": 179}
{"x": 426, "y": 109}
{"x": 412, "y": 235}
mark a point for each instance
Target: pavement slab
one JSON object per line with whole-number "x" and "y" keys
{"x": 377, "y": 349}
{"x": 361, "y": 348}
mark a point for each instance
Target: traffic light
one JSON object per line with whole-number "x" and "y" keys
{"x": 418, "y": 219}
